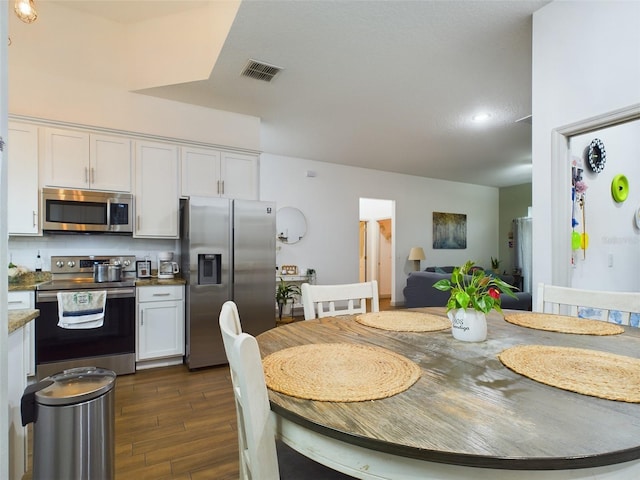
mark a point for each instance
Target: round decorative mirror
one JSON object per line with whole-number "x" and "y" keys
{"x": 291, "y": 225}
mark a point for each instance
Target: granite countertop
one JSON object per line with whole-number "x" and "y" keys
{"x": 28, "y": 281}
{"x": 152, "y": 282}
{"x": 19, "y": 318}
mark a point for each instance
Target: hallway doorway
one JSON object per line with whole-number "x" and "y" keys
{"x": 376, "y": 244}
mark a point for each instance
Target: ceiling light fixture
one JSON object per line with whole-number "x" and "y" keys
{"x": 26, "y": 10}
{"x": 481, "y": 117}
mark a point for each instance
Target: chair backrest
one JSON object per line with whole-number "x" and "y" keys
{"x": 320, "y": 300}
{"x": 256, "y": 436}
{"x": 617, "y": 307}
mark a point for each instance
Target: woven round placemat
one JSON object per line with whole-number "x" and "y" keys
{"x": 402, "y": 321}
{"x": 563, "y": 324}
{"x": 589, "y": 372}
{"x": 339, "y": 372}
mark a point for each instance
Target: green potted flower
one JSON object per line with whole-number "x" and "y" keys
{"x": 473, "y": 295}
{"x": 495, "y": 265}
{"x": 285, "y": 292}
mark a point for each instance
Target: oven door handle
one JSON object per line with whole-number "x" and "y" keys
{"x": 111, "y": 293}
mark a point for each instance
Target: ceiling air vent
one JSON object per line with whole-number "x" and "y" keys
{"x": 260, "y": 71}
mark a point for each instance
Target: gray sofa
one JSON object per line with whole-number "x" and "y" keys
{"x": 420, "y": 292}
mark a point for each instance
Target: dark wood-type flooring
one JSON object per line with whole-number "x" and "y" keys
{"x": 173, "y": 424}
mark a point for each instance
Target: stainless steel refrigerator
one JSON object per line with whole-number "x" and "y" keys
{"x": 227, "y": 252}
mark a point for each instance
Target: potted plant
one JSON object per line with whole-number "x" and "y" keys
{"x": 473, "y": 295}
{"x": 284, "y": 292}
{"x": 311, "y": 274}
{"x": 495, "y": 265}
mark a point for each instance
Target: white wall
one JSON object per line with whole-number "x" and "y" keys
{"x": 72, "y": 68}
{"x": 23, "y": 250}
{"x": 330, "y": 203}
{"x": 612, "y": 258}
{"x": 375, "y": 209}
{"x": 586, "y": 62}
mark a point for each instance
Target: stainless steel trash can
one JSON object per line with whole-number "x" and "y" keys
{"x": 73, "y": 424}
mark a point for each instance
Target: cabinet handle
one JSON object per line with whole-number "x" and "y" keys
{"x": 218, "y": 186}
{"x": 86, "y": 175}
{"x": 14, "y": 301}
{"x": 93, "y": 175}
{"x": 138, "y": 223}
{"x": 141, "y": 318}
{"x": 33, "y": 217}
{"x": 161, "y": 294}
{"x": 222, "y": 187}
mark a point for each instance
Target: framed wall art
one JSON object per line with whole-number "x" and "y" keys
{"x": 449, "y": 230}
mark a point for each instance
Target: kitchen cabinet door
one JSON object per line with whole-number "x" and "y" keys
{"x": 20, "y": 300}
{"x": 200, "y": 172}
{"x": 17, "y": 382}
{"x": 66, "y": 158}
{"x": 214, "y": 173}
{"x": 160, "y": 323}
{"x": 110, "y": 163}
{"x": 83, "y": 160}
{"x": 22, "y": 180}
{"x": 239, "y": 174}
{"x": 156, "y": 190}
{"x": 21, "y": 360}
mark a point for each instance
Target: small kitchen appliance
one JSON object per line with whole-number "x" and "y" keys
{"x": 85, "y": 211}
{"x": 167, "y": 268}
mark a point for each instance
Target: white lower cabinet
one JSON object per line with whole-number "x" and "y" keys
{"x": 21, "y": 362}
{"x": 159, "y": 326}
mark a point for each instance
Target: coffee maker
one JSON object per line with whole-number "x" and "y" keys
{"x": 167, "y": 268}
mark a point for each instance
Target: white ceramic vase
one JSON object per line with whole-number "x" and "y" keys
{"x": 468, "y": 325}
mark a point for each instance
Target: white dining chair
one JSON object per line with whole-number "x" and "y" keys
{"x": 260, "y": 456}
{"x": 321, "y": 300}
{"x": 618, "y": 307}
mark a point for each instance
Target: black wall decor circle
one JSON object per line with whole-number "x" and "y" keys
{"x": 596, "y": 156}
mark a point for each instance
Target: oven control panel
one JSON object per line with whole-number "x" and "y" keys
{"x": 84, "y": 264}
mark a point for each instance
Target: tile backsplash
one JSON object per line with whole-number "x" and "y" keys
{"x": 23, "y": 250}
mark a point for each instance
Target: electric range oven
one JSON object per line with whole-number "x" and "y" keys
{"x": 110, "y": 346}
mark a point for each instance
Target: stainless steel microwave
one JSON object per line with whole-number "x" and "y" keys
{"x": 86, "y": 211}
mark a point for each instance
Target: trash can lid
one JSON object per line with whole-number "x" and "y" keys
{"x": 76, "y": 385}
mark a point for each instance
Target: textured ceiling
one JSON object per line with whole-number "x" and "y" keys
{"x": 387, "y": 85}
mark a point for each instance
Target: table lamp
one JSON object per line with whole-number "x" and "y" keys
{"x": 416, "y": 254}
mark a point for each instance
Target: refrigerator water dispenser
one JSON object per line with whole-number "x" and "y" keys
{"x": 209, "y": 265}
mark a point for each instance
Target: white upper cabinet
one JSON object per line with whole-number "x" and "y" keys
{"x": 156, "y": 190}
{"x": 214, "y": 173}
{"x": 22, "y": 175}
{"x": 200, "y": 172}
{"x": 239, "y": 174}
{"x": 110, "y": 163}
{"x": 74, "y": 159}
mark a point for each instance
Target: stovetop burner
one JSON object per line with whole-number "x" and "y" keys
{"x": 76, "y": 272}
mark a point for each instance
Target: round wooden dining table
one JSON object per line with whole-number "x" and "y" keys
{"x": 468, "y": 416}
